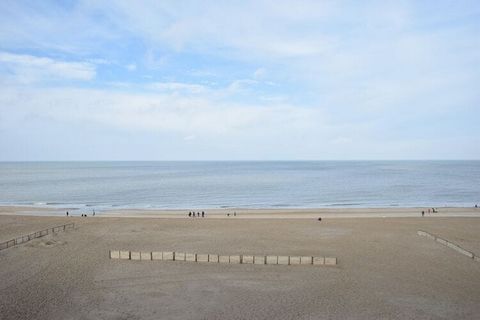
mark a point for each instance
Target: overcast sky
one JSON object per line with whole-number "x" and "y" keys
{"x": 238, "y": 80}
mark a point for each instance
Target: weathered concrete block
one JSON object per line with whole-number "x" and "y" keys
{"x": 157, "y": 255}
{"x": 213, "y": 258}
{"x": 272, "y": 260}
{"x": 145, "y": 256}
{"x": 201, "y": 257}
{"x": 305, "y": 260}
{"x": 329, "y": 261}
{"x": 421, "y": 233}
{"x": 235, "y": 259}
{"x": 134, "y": 255}
{"x": 224, "y": 259}
{"x": 191, "y": 257}
{"x": 442, "y": 241}
{"x": 283, "y": 260}
{"x": 460, "y": 250}
{"x": 114, "y": 254}
{"x": 259, "y": 259}
{"x": 318, "y": 260}
{"x": 294, "y": 260}
{"x": 247, "y": 259}
{"x": 125, "y": 255}
{"x": 168, "y": 255}
{"x": 179, "y": 256}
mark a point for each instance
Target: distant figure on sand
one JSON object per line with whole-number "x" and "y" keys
{"x": 190, "y": 214}
{"x": 67, "y": 213}
{"x": 198, "y": 214}
{"x": 234, "y": 214}
{"x": 319, "y": 219}
{"x": 203, "y": 214}
{"x": 423, "y": 213}
{"x": 476, "y": 206}
{"x": 94, "y": 213}
{"x": 228, "y": 214}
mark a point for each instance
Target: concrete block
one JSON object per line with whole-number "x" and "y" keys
{"x": 259, "y": 259}
{"x": 247, "y": 259}
{"x": 318, "y": 260}
{"x": 283, "y": 260}
{"x": 145, "y": 256}
{"x": 157, "y": 255}
{"x": 460, "y": 250}
{"x": 114, "y": 254}
{"x": 329, "y": 261}
{"x": 213, "y": 258}
{"x": 305, "y": 260}
{"x": 235, "y": 259}
{"x": 134, "y": 255}
{"x": 442, "y": 241}
{"x": 272, "y": 260}
{"x": 191, "y": 257}
{"x": 224, "y": 259}
{"x": 294, "y": 260}
{"x": 168, "y": 255}
{"x": 201, "y": 257}
{"x": 421, "y": 233}
{"x": 125, "y": 255}
{"x": 179, "y": 256}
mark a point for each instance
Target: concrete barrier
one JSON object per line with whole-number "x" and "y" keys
{"x": 460, "y": 250}
{"x": 213, "y": 258}
{"x": 125, "y": 255}
{"x": 235, "y": 259}
{"x": 271, "y": 260}
{"x": 224, "y": 259}
{"x": 440, "y": 240}
{"x": 201, "y": 257}
{"x": 294, "y": 260}
{"x": 329, "y": 261}
{"x": 284, "y": 260}
{"x": 145, "y": 256}
{"x": 192, "y": 257}
{"x": 258, "y": 259}
{"x": 168, "y": 255}
{"x": 156, "y": 255}
{"x": 134, "y": 255}
{"x": 247, "y": 259}
{"x": 305, "y": 260}
{"x": 179, "y": 256}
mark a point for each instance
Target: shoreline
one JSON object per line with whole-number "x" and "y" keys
{"x": 243, "y": 213}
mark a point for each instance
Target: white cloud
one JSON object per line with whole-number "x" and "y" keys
{"x": 28, "y": 68}
{"x": 131, "y": 67}
{"x": 178, "y": 87}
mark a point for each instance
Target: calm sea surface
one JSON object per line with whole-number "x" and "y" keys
{"x": 282, "y": 184}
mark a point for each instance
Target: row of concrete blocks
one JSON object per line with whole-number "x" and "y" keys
{"x": 215, "y": 258}
{"x": 449, "y": 244}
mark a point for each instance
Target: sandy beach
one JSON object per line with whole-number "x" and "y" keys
{"x": 385, "y": 270}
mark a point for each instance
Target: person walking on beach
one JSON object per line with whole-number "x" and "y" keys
{"x": 198, "y": 214}
{"x": 423, "y": 213}
{"x": 203, "y": 214}
{"x": 67, "y": 213}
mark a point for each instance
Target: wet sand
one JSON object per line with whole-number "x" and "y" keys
{"x": 385, "y": 270}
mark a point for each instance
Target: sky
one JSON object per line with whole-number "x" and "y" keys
{"x": 239, "y": 80}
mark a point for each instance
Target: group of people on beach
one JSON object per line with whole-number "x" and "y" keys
{"x": 192, "y": 214}
{"x": 83, "y": 214}
{"x": 433, "y": 210}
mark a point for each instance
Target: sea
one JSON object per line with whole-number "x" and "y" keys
{"x": 240, "y": 184}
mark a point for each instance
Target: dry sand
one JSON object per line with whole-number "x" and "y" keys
{"x": 385, "y": 270}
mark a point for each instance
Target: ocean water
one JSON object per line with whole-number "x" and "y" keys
{"x": 269, "y": 184}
